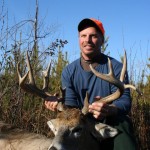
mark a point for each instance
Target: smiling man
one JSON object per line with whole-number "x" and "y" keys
{"x": 78, "y": 79}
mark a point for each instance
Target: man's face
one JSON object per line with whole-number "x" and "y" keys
{"x": 90, "y": 41}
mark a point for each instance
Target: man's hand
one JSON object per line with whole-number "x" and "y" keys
{"x": 51, "y": 103}
{"x": 101, "y": 110}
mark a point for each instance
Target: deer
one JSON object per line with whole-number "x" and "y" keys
{"x": 14, "y": 138}
{"x": 74, "y": 129}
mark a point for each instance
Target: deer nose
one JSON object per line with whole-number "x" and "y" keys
{"x": 52, "y": 148}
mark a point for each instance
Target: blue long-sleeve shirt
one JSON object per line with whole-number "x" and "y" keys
{"x": 77, "y": 81}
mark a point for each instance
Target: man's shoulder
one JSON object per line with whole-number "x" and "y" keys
{"x": 72, "y": 66}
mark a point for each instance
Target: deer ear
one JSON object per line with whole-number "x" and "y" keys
{"x": 104, "y": 131}
{"x": 53, "y": 125}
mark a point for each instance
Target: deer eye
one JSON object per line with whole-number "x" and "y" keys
{"x": 77, "y": 131}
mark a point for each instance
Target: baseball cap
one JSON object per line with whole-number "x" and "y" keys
{"x": 91, "y": 22}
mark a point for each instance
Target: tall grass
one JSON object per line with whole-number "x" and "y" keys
{"x": 141, "y": 122}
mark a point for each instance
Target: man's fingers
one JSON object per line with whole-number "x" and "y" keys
{"x": 54, "y": 105}
{"x": 99, "y": 110}
{"x": 51, "y": 105}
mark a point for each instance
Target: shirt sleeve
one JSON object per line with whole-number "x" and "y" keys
{"x": 70, "y": 95}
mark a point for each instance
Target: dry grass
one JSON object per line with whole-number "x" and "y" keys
{"x": 141, "y": 121}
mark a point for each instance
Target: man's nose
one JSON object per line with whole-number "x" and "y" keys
{"x": 88, "y": 38}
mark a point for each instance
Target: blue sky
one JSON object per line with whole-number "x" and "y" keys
{"x": 126, "y": 22}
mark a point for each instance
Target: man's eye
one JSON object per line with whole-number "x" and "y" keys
{"x": 83, "y": 36}
{"x": 94, "y": 36}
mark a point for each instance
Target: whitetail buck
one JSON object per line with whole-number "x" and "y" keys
{"x": 74, "y": 129}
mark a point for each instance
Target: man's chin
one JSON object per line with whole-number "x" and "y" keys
{"x": 89, "y": 51}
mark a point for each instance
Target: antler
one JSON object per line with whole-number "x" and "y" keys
{"x": 110, "y": 77}
{"x": 31, "y": 86}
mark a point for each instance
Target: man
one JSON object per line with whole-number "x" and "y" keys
{"x": 77, "y": 78}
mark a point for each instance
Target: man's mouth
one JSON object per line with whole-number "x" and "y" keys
{"x": 89, "y": 46}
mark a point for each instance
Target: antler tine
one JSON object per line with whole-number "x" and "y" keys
{"x": 29, "y": 73}
{"x": 110, "y": 77}
{"x": 85, "y": 108}
{"x": 21, "y": 79}
{"x": 46, "y": 74}
{"x": 31, "y": 78}
{"x": 123, "y": 73}
{"x": 134, "y": 88}
{"x": 124, "y": 68}
{"x": 60, "y": 106}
